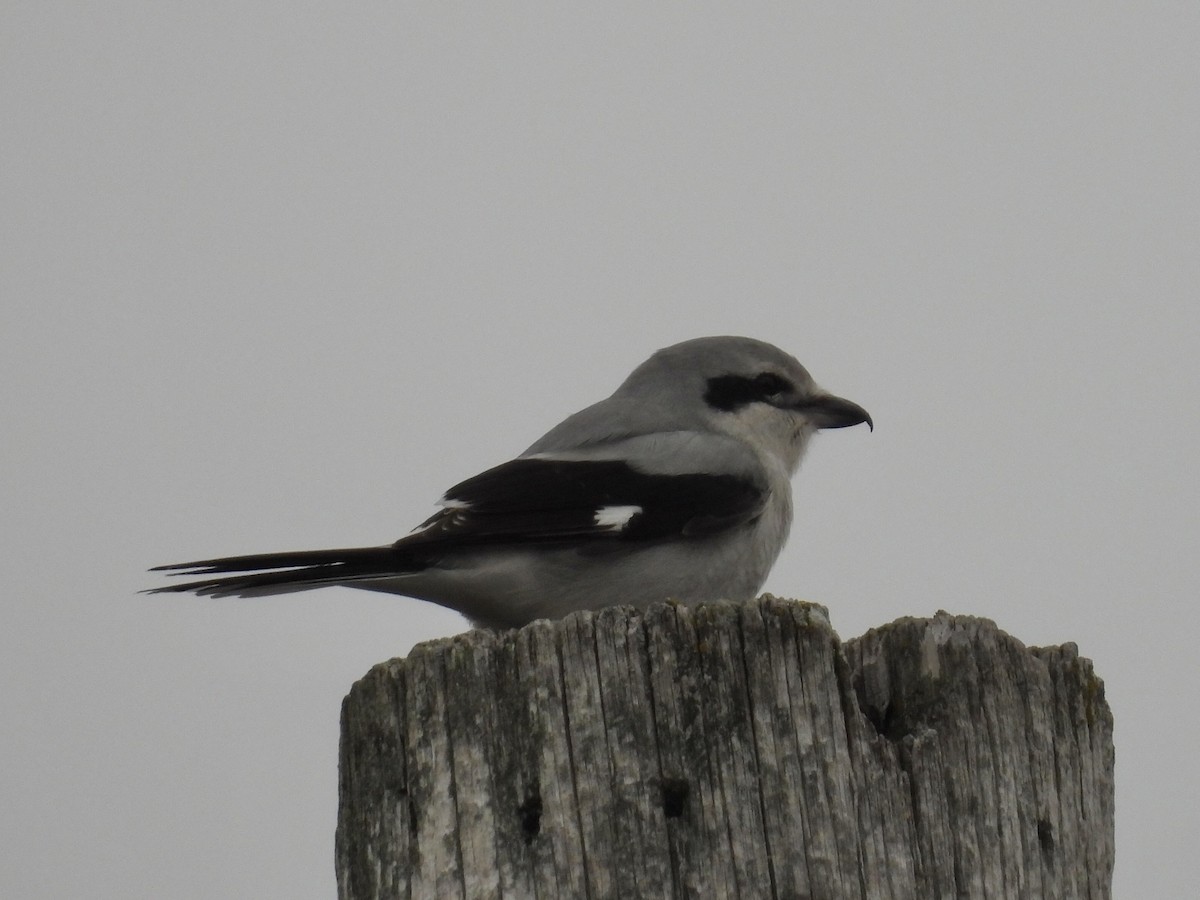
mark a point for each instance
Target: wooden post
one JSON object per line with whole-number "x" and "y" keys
{"x": 727, "y": 751}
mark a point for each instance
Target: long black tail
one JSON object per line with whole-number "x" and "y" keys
{"x": 295, "y": 571}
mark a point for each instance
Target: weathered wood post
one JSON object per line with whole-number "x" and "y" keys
{"x": 728, "y": 751}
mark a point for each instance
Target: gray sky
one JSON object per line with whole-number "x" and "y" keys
{"x": 275, "y": 275}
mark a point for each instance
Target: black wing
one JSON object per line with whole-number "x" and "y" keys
{"x": 548, "y": 500}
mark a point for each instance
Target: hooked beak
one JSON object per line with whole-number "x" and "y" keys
{"x": 828, "y": 411}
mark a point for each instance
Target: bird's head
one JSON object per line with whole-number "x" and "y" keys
{"x": 746, "y": 389}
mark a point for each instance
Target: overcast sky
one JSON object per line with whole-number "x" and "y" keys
{"x": 276, "y": 274}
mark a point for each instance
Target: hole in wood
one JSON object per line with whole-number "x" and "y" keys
{"x": 1046, "y": 837}
{"x": 530, "y": 813}
{"x": 674, "y": 797}
{"x": 887, "y": 721}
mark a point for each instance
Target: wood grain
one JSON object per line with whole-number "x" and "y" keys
{"x": 737, "y": 751}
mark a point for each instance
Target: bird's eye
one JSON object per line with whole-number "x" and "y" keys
{"x": 730, "y": 392}
{"x": 771, "y": 384}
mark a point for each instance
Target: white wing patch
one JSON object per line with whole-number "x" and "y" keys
{"x": 615, "y": 517}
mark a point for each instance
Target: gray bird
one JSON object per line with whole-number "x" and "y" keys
{"x": 677, "y": 486}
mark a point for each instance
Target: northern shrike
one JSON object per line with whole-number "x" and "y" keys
{"x": 676, "y": 486}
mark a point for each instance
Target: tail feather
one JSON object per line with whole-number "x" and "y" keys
{"x": 299, "y": 570}
{"x": 293, "y": 560}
